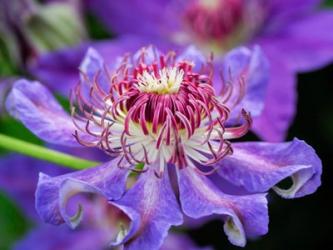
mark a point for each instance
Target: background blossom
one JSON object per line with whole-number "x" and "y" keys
{"x": 293, "y": 34}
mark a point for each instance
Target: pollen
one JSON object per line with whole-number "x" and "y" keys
{"x": 167, "y": 81}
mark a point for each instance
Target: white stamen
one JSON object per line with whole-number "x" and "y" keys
{"x": 168, "y": 81}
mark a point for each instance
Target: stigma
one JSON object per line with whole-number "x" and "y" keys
{"x": 158, "y": 112}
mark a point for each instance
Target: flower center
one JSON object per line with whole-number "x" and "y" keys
{"x": 157, "y": 112}
{"x": 167, "y": 81}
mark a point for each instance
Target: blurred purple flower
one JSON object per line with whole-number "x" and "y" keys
{"x": 19, "y": 177}
{"x": 162, "y": 110}
{"x": 294, "y": 34}
{"x": 47, "y": 237}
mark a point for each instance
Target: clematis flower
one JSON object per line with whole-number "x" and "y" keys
{"x": 292, "y": 33}
{"x": 161, "y": 110}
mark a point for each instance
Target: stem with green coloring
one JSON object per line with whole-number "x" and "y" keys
{"x": 43, "y": 153}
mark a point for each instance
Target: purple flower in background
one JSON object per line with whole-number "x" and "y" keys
{"x": 19, "y": 177}
{"x": 161, "y": 110}
{"x": 293, "y": 34}
{"x": 48, "y": 237}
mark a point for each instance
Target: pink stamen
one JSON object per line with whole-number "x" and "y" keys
{"x": 121, "y": 117}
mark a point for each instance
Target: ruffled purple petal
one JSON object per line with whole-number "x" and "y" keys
{"x": 259, "y": 166}
{"x": 32, "y": 104}
{"x": 153, "y": 199}
{"x": 250, "y": 67}
{"x": 244, "y": 216}
{"x": 53, "y": 194}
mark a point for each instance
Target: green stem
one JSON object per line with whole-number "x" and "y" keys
{"x": 43, "y": 153}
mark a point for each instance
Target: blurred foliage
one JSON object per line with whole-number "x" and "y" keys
{"x": 7, "y": 66}
{"x": 95, "y": 28}
{"x": 13, "y": 224}
{"x": 64, "y": 102}
{"x": 54, "y": 26}
{"x": 12, "y": 127}
{"x": 329, "y": 3}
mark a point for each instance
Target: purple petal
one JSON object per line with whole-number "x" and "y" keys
{"x": 150, "y": 54}
{"x": 252, "y": 67}
{"x": 282, "y": 12}
{"x": 93, "y": 69}
{"x": 193, "y": 54}
{"x": 38, "y": 110}
{"x": 53, "y": 194}
{"x": 245, "y": 215}
{"x": 303, "y": 50}
{"x": 92, "y": 63}
{"x": 280, "y": 103}
{"x": 59, "y": 69}
{"x": 153, "y": 199}
{"x": 259, "y": 166}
